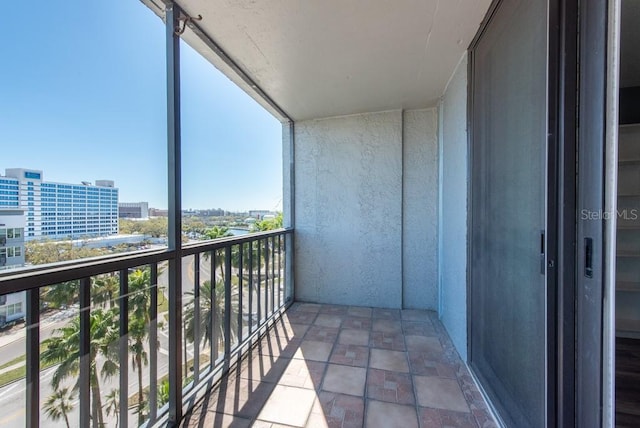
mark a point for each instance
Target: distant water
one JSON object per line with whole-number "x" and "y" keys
{"x": 238, "y": 232}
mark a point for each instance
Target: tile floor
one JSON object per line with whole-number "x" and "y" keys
{"x": 339, "y": 366}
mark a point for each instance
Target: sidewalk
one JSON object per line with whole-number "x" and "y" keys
{"x": 17, "y": 332}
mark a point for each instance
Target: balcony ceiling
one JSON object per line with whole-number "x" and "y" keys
{"x": 322, "y": 58}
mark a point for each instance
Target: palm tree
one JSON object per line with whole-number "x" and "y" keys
{"x": 217, "y": 232}
{"x": 59, "y": 404}
{"x": 112, "y": 404}
{"x": 211, "y": 314}
{"x": 104, "y": 289}
{"x": 139, "y": 301}
{"x": 163, "y": 393}
{"x": 64, "y": 350}
{"x": 61, "y": 295}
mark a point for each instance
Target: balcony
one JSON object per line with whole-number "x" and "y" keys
{"x": 242, "y": 355}
{"x": 150, "y": 333}
{"x": 347, "y": 366}
{"x": 436, "y": 157}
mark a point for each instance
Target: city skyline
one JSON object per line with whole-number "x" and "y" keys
{"x": 86, "y": 103}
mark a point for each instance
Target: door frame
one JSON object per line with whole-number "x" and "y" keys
{"x": 610, "y": 202}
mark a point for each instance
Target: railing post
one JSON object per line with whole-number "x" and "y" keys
{"x": 123, "y": 347}
{"x": 214, "y": 305}
{"x": 196, "y": 318}
{"x": 227, "y": 305}
{"x": 273, "y": 274}
{"x": 175, "y": 213}
{"x": 250, "y": 288}
{"x": 85, "y": 352}
{"x": 259, "y": 291}
{"x": 33, "y": 357}
{"x": 153, "y": 345}
{"x": 240, "y": 284}
{"x": 288, "y": 267}
{"x": 280, "y": 271}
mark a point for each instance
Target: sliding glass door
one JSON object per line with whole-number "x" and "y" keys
{"x": 507, "y": 277}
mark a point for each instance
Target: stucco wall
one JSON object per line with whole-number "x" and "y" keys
{"x": 351, "y": 207}
{"x": 420, "y": 209}
{"x": 453, "y": 214}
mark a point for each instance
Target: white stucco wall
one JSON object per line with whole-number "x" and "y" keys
{"x": 366, "y": 207}
{"x": 420, "y": 209}
{"x": 453, "y": 213}
{"x": 348, "y": 210}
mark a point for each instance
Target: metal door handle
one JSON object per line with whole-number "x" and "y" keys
{"x": 588, "y": 257}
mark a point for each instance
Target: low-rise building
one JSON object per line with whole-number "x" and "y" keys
{"x": 12, "y": 222}
{"x": 133, "y": 210}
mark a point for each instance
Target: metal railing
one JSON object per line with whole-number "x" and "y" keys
{"x": 116, "y": 350}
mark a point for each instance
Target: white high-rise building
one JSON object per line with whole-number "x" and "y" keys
{"x": 60, "y": 210}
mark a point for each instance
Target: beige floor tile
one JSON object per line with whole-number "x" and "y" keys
{"x": 414, "y": 315}
{"x": 340, "y": 410}
{"x": 303, "y": 374}
{"x": 278, "y": 346}
{"x": 241, "y": 398}
{"x": 211, "y": 419}
{"x": 317, "y": 418}
{"x": 353, "y": 337}
{"x": 314, "y": 350}
{"x": 288, "y": 405}
{"x": 389, "y": 415}
{"x": 357, "y": 311}
{"x": 327, "y": 320}
{"x": 387, "y": 326}
{"x": 264, "y": 368}
{"x": 439, "y": 393}
{"x": 289, "y": 330}
{"x": 345, "y": 380}
{"x": 423, "y": 344}
{"x": 306, "y": 307}
{"x": 394, "y": 361}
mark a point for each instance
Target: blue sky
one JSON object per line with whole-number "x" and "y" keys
{"x": 83, "y": 97}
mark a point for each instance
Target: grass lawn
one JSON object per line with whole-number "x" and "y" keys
{"x": 19, "y": 372}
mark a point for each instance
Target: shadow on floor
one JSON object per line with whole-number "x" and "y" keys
{"x": 339, "y": 366}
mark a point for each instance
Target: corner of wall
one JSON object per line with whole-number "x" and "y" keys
{"x": 453, "y": 191}
{"x": 420, "y": 209}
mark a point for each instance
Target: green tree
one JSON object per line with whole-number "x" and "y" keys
{"x": 105, "y": 289}
{"x": 64, "y": 349}
{"x": 163, "y": 393}
{"x": 211, "y": 313}
{"x": 61, "y": 295}
{"x": 155, "y": 227}
{"x": 59, "y": 404}
{"x": 45, "y": 252}
{"x": 217, "y": 232}
{"x": 112, "y": 404}
{"x": 139, "y": 305}
{"x": 270, "y": 223}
